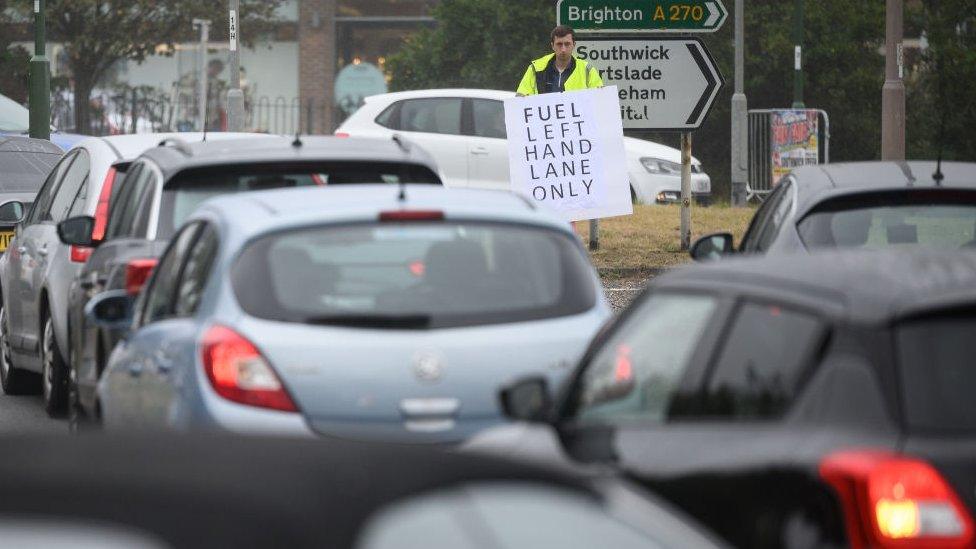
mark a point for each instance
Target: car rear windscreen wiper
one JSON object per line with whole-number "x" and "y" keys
{"x": 407, "y": 322}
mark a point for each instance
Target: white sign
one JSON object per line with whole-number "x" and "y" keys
{"x": 566, "y": 153}
{"x": 233, "y": 30}
{"x": 664, "y": 83}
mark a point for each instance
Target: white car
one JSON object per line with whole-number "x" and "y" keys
{"x": 464, "y": 130}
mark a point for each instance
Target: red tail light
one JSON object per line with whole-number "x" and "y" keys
{"x": 341, "y": 134}
{"x": 137, "y": 273}
{"x": 239, "y": 373}
{"x": 893, "y": 501}
{"x": 101, "y": 209}
{"x": 412, "y": 215}
{"x": 80, "y": 254}
{"x": 317, "y": 179}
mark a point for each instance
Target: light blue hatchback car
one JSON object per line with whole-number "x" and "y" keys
{"x": 375, "y": 312}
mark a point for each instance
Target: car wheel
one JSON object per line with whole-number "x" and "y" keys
{"x": 54, "y": 376}
{"x": 14, "y": 380}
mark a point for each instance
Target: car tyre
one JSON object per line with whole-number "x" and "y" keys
{"x": 13, "y": 380}
{"x": 54, "y": 372}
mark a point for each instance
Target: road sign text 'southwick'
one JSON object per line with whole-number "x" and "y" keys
{"x": 563, "y": 142}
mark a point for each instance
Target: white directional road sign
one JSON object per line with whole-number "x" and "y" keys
{"x": 663, "y": 83}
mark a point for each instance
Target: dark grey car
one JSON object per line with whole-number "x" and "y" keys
{"x": 860, "y": 205}
{"x": 164, "y": 186}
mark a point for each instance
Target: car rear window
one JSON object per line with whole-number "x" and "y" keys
{"x": 188, "y": 189}
{"x": 936, "y": 220}
{"x": 413, "y": 275}
{"x": 938, "y": 375}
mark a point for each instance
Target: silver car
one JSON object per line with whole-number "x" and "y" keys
{"x": 379, "y": 312}
{"x": 37, "y": 270}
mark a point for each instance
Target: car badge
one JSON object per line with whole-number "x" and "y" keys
{"x": 428, "y": 368}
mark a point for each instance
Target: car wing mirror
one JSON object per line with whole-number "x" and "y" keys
{"x": 110, "y": 310}
{"x": 527, "y": 399}
{"x": 12, "y": 212}
{"x": 712, "y": 247}
{"x": 77, "y": 231}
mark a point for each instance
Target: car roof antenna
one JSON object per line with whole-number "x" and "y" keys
{"x": 298, "y": 138}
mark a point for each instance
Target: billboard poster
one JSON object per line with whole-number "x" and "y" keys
{"x": 794, "y": 140}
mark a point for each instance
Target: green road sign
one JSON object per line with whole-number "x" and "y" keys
{"x": 642, "y": 15}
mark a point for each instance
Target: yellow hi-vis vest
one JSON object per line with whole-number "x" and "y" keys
{"x": 583, "y": 76}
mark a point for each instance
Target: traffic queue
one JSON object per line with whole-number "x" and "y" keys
{"x": 334, "y": 287}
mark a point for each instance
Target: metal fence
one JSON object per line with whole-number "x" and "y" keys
{"x": 761, "y": 180}
{"x": 148, "y": 111}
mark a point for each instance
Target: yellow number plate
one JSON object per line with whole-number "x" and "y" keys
{"x": 5, "y": 238}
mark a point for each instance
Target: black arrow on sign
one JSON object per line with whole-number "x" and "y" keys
{"x": 712, "y": 83}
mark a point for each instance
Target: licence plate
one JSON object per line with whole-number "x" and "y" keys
{"x": 5, "y": 238}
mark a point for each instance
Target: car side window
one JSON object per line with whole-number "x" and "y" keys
{"x": 642, "y": 371}
{"x": 159, "y": 303}
{"x": 121, "y": 191}
{"x": 489, "y": 118}
{"x": 436, "y": 115}
{"x": 777, "y": 218}
{"x": 196, "y": 272}
{"x": 389, "y": 118}
{"x": 74, "y": 178}
{"x": 750, "y": 241}
{"x": 144, "y": 208}
{"x": 128, "y": 205}
{"x": 762, "y": 362}
{"x": 42, "y": 202}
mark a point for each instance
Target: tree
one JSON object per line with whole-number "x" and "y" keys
{"x": 14, "y": 61}
{"x": 99, "y": 33}
{"x": 477, "y": 44}
{"x": 940, "y": 81}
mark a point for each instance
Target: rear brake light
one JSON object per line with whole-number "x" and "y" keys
{"x": 137, "y": 273}
{"x": 341, "y": 134}
{"x": 896, "y": 501}
{"x": 239, "y": 373}
{"x": 101, "y": 210}
{"x": 412, "y": 215}
{"x": 80, "y": 254}
{"x": 317, "y": 179}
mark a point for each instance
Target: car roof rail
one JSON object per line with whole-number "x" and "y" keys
{"x": 177, "y": 144}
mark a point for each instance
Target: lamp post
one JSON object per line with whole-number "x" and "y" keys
{"x": 893, "y": 92}
{"x": 40, "y": 79}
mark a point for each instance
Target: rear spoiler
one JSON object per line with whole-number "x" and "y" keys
{"x": 122, "y": 166}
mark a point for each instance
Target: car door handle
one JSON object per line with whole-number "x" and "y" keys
{"x": 92, "y": 283}
{"x": 164, "y": 361}
{"x": 135, "y": 368}
{"x": 22, "y": 249}
{"x": 479, "y": 151}
{"x": 42, "y": 251}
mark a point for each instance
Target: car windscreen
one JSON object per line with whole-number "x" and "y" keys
{"x": 945, "y": 220}
{"x": 13, "y": 117}
{"x": 938, "y": 376}
{"x": 413, "y": 275}
{"x": 188, "y": 189}
{"x": 25, "y": 172}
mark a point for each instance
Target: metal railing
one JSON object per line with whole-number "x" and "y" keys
{"x": 148, "y": 111}
{"x": 761, "y": 179}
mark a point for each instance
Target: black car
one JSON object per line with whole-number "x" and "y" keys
{"x": 24, "y": 165}
{"x": 860, "y": 205}
{"x": 820, "y": 400}
{"x": 165, "y": 184}
{"x": 152, "y": 491}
